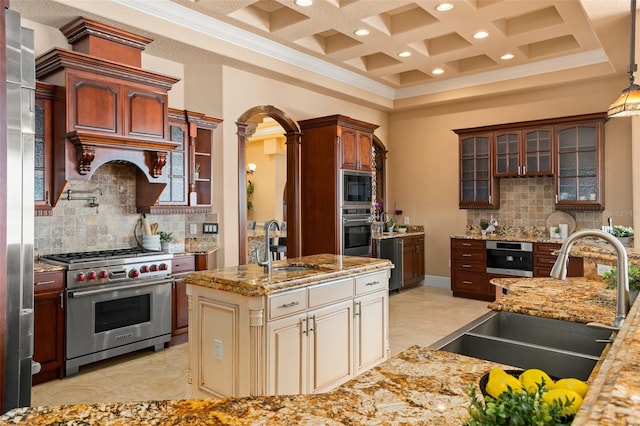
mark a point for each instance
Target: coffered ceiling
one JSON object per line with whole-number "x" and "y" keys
{"x": 551, "y": 41}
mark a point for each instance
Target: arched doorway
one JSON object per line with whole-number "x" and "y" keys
{"x": 292, "y": 135}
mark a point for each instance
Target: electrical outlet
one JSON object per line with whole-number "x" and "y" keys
{"x": 209, "y": 228}
{"x": 602, "y": 269}
{"x": 406, "y": 220}
{"x": 218, "y": 349}
{"x": 193, "y": 229}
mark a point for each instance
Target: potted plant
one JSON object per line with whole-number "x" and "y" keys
{"x": 196, "y": 171}
{"x": 165, "y": 239}
{"x": 554, "y": 232}
{"x": 611, "y": 278}
{"x": 623, "y": 233}
{"x": 389, "y": 225}
{"x": 401, "y": 228}
{"x": 484, "y": 224}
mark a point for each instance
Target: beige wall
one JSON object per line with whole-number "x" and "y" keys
{"x": 423, "y": 156}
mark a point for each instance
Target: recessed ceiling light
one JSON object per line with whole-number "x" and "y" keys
{"x": 361, "y": 32}
{"x": 437, "y": 71}
{"x": 443, "y": 7}
{"x": 481, "y": 34}
{"x": 507, "y": 56}
{"x": 304, "y": 3}
{"x": 404, "y": 54}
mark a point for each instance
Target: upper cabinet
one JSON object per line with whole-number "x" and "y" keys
{"x": 569, "y": 148}
{"x": 580, "y": 157}
{"x": 478, "y": 186}
{"x": 42, "y": 155}
{"x": 357, "y": 148}
{"x": 188, "y": 168}
{"x": 523, "y": 152}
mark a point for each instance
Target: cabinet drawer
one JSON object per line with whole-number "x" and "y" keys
{"x": 287, "y": 303}
{"x": 467, "y": 245}
{"x": 464, "y": 265}
{"x": 183, "y": 264}
{"x": 468, "y": 256}
{"x": 48, "y": 281}
{"x": 544, "y": 261}
{"x": 372, "y": 282}
{"x": 469, "y": 282}
{"x": 545, "y": 249}
{"x": 334, "y": 291}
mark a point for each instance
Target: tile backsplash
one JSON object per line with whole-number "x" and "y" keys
{"x": 74, "y": 226}
{"x": 527, "y": 202}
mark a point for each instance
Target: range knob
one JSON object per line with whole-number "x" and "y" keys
{"x": 144, "y": 269}
{"x": 92, "y": 275}
{"x": 80, "y": 276}
{"x": 134, "y": 273}
{"x": 154, "y": 268}
{"x": 163, "y": 267}
{"x": 104, "y": 274}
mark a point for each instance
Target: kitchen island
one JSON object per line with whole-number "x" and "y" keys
{"x": 418, "y": 386}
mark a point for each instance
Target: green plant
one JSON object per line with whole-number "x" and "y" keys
{"x": 196, "y": 168}
{"x": 519, "y": 408}
{"x": 622, "y": 231}
{"x": 165, "y": 237}
{"x": 611, "y": 277}
{"x": 250, "y": 189}
{"x": 484, "y": 224}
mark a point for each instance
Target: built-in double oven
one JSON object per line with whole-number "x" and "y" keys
{"x": 356, "y": 194}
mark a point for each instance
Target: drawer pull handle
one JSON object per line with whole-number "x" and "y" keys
{"x": 46, "y": 282}
{"x": 372, "y": 283}
{"x": 466, "y": 254}
{"x": 466, "y": 282}
{"x": 289, "y": 305}
{"x": 466, "y": 244}
{"x": 467, "y": 266}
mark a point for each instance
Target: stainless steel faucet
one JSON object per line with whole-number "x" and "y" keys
{"x": 267, "y": 261}
{"x": 559, "y": 271}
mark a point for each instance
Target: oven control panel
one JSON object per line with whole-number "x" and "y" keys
{"x": 145, "y": 269}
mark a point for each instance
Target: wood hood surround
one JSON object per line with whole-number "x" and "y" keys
{"x": 106, "y": 108}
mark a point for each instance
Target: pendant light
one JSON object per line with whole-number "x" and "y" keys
{"x": 628, "y": 103}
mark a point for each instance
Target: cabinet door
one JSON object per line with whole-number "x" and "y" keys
{"x": 476, "y": 178}
{"x": 507, "y": 153}
{"x": 93, "y": 104}
{"x": 579, "y": 166}
{"x": 175, "y": 193}
{"x": 420, "y": 271}
{"x": 42, "y": 151}
{"x": 365, "y": 151}
{"x": 145, "y": 113}
{"x": 180, "y": 308}
{"x": 408, "y": 261}
{"x": 288, "y": 355}
{"x": 537, "y": 159}
{"x": 371, "y": 339}
{"x": 330, "y": 346}
{"x": 349, "y": 142}
{"x": 48, "y": 335}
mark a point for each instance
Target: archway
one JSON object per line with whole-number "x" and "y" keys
{"x": 292, "y": 135}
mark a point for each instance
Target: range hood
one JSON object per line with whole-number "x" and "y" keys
{"x": 106, "y": 107}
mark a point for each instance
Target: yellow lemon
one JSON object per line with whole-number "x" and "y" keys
{"x": 575, "y": 385}
{"x": 532, "y": 377}
{"x": 500, "y": 382}
{"x": 561, "y": 396}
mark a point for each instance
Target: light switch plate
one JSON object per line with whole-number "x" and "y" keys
{"x": 602, "y": 269}
{"x": 193, "y": 230}
{"x": 209, "y": 228}
{"x": 406, "y": 220}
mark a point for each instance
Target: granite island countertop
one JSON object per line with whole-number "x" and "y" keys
{"x": 252, "y": 280}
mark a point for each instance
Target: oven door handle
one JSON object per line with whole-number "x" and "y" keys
{"x": 83, "y": 293}
{"x": 363, "y": 221}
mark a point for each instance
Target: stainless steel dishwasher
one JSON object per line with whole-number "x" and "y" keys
{"x": 391, "y": 248}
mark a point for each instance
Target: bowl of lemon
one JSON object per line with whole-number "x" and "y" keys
{"x": 528, "y": 393}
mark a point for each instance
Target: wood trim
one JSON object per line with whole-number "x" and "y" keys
{"x": 534, "y": 123}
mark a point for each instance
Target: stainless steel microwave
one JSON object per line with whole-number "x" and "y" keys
{"x": 356, "y": 188}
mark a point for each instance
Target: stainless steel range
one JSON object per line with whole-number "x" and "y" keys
{"x": 117, "y": 301}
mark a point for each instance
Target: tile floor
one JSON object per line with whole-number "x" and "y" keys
{"x": 418, "y": 316}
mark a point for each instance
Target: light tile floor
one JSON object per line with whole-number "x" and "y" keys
{"x": 418, "y": 316}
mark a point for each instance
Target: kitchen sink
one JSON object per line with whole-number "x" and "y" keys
{"x": 561, "y": 348}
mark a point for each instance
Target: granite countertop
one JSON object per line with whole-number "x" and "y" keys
{"x": 251, "y": 280}
{"x": 46, "y": 267}
{"x": 516, "y": 238}
{"x": 419, "y": 386}
{"x": 387, "y": 235}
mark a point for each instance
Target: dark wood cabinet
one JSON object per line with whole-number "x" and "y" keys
{"x": 469, "y": 270}
{"x": 580, "y": 165}
{"x": 188, "y": 168}
{"x": 48, "y": 329}
{"x": 571, "y": 149}
{"x": 182, "y": 265}
{"x": 479, "y": 189}
{"x": 328, "y": 144}
{"x": 412, "y": 260}
{"x": 43, "y": 137}
{"x": 544, "y": 258}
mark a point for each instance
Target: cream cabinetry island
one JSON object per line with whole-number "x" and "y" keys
{"x": 307, "y": 328}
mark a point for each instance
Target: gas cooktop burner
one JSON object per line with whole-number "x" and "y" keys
{"x": 92, "y": 256}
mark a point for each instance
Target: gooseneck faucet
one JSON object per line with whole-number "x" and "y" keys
{"x": 267, "y": 261}
{"x": 559, "y": 271}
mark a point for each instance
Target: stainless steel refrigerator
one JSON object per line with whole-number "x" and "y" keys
{"x": 18, "y": 264}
